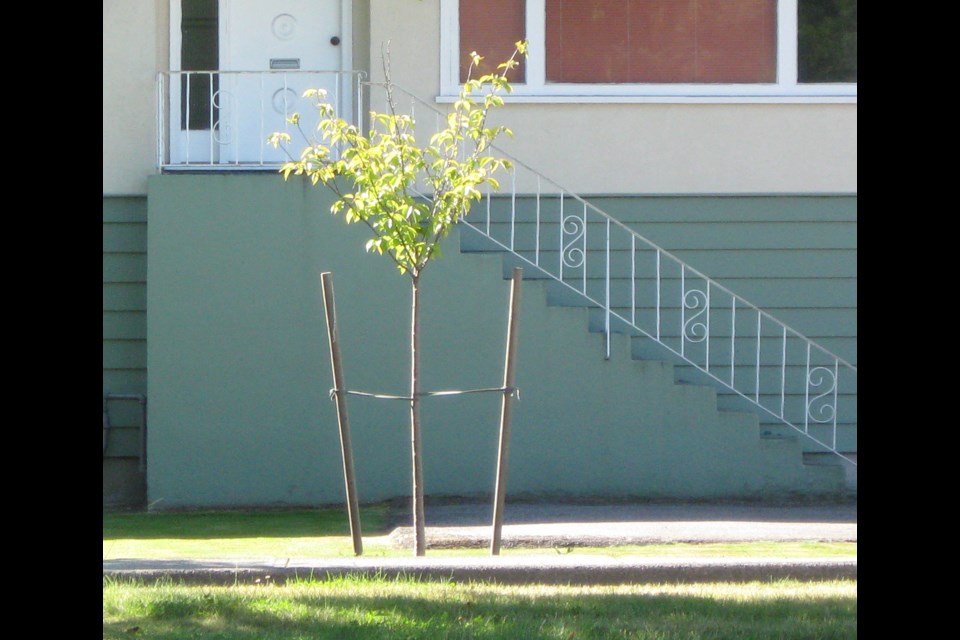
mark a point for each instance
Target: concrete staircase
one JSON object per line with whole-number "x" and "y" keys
{"x": 715, "y": 413}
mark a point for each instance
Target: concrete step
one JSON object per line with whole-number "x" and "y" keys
{"x": 720, "y": 418}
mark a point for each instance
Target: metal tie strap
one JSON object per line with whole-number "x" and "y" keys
{"x": 513, "y": 391}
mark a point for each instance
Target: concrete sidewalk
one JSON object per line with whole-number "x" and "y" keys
{"x": 562, "y": 527}
{"x": 591, "y": 525}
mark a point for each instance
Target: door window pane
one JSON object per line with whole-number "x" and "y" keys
{"x": 199, "y": 50}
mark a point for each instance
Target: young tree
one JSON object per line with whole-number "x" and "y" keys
{"x": 408, "y": 195}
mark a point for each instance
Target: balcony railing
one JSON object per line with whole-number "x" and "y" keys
{"x": 222, "y": 119}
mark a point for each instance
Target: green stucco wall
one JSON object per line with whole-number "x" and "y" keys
{"x": 793, "y": 256}
{"x": 239, "y": 372}
{"x": 124, "y": 343}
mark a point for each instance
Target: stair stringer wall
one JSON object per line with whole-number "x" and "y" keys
{"x": 590, "y": 426}
{"x": 239, "y": 373}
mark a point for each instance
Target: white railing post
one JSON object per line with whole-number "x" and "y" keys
{"x": 683, "y": 310}
{"x": 707, "y": 330}
{"x": 733, "y": 339}
{"x": 536, "y": 250}
{"x": 213, "y": 125}
{"x": 161, "y": 110}
{"x": 658, "y": 295}
{"x": 489, "y": 191}
{"x": 359, "y": 111}
{"x": 783, "y": 375}
{"x": 836, "y": 406}
{"x": 633, "y": 279}
{"x": 513, "y": 207}
{"x": 584, "y": 249}
{"x": 262, "y": 128}
{"x": 562, "y": 222}
{"x": 759, "y": 324}
{"x": 187, "y": 111}
{"x": 806, "y": 394}
{"x": 607, "y": 289}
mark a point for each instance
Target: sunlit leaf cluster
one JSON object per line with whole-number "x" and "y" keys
{"x": 408, "y": 193}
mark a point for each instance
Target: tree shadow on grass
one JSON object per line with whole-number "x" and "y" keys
{"x": 490, "y": 615}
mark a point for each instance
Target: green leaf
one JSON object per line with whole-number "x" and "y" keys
{"x": 384, "y": 168}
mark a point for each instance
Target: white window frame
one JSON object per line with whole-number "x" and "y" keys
{"x": 537, "y": 89}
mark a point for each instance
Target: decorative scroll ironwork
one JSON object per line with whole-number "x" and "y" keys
{"x": 222, "y": 129}
{"x": 573, "y": 256}
{"x": 695, "y": 331}
{"x": 234, "y": 102}
{"x": 821, "y": 379}
{"x": 284, "y": 101}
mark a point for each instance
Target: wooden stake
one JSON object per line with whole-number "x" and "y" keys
{"x": 349, "y": 479}
{"x": 509, "y": 375}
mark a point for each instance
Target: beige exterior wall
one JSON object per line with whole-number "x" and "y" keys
{"x": 134, "y": 45}
{"x": 686, "y": 148}
{"x": 644, "y": 148}
{"x": 620, "y": 148}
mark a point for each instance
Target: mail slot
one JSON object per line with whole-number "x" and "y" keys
{"x": 284, "y": 63}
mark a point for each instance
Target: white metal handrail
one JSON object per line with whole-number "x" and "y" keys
{"x": 644, "y": 289}
{"x": 640, "y": 288}
{"x": 222, "y": 119}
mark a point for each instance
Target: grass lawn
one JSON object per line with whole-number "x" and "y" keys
{"x": 406, "y": 608}
{"x": 353, "y": 608}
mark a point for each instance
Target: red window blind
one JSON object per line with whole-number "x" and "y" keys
{"x": 491, "y": 28}
{"x": 661, "y": 41}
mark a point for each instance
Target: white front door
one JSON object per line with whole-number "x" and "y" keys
{"x": 270, "y": 52}
{"x": 274, "y": 37}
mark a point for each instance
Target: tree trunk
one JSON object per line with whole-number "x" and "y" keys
{"x": 419, "y": 544}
